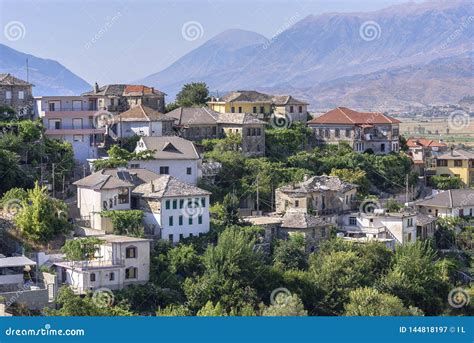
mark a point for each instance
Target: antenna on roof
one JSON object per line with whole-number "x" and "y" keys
{"x": 27, "y": 71}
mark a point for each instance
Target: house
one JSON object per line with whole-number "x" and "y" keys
{"x": 172, "y": 208}
{"x": 12, "y": 272}
{"x": 120, "y": 261}
{"x": 363, "y": 131}
{"x": 197, "y": 123}
{"x": 173, "y": 156}
{"x": 450, "y": 203}
{"x": 260, "y": 104}
{"x": 458, "y": 163}
{"x": 73, "y": 119}
{"x": 423, "y": 153}
{"x": 17, "y": 94}
{"x": 425, "y": 226}
{"x": 324, "y": 196}
{"x": 396, "y": 227}
{"x": 142, "y": 121}
{"x": 121, "y": 97}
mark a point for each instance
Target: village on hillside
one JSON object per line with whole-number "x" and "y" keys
{"x": 130, "y": 205}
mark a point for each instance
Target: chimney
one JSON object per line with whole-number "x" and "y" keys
{"x": 96, "y": 88}
{"x": 452, "y": 150}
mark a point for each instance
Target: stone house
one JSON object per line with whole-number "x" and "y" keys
{"x": 17, "y": 94}
{"x": 142, "y": 121}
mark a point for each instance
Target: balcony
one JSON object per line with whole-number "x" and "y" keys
{"x": 69, "y": 114}
{"x": 93, "y": 264}
{"x": 71, "y": 131}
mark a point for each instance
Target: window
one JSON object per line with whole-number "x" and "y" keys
{"x": 442, "y": 163}
{"x": 8, "y": 95}
{"x": 352, "y": 221}
{"x": 232, "y": 109}
{"x": 395, "y": 132}
{"x": 291, "y": 109}
{"x": 134, "y": 166}
{"x": 77, "y": 123}
{"x": 104, "y": 204}
{"x": 164, "y": 170}
{"x": 170, "y": 221}
{"x": 190, "y": 221}
{"x": 92, "y": 276}
{"x": 297, "y": 203}
{"x": 131, "y": 273}
{"x": 21, "y": 95}
{"x": 458, "y": 163}
{"x": 348, "y": 132}
{"x": 337, "y": 132}
{"x": 259, "y": 131}
{"x": 167, "y": 204}
{"x": 410, "y": 222}
{"x": 170, "y": 238}
{"x": 111, "y": 203}
{"x": 112, "y": 276}
{"x": 262, "y": 109}
{"x": 323, "y": 232}
{"x": 199, "y": 219}
{"x": 78, "y": 138}
{"x": 180, "y": 220}
{"x": 131, "y": 252}
{"x": 175, "y": 204}
{"x": 123, "y": 196}
{"x": 240, "y": 109}
{"x": 254, "y": 110}
{"x": 409, "y": 237}
{"x": 203, "y": 202}
{"x": 189, "y": 170}
{"x": 326, "y": 133}
{"x": 300, "y": 109}
{"x": 181, "y": 236}
{"x": 181, "y": 203}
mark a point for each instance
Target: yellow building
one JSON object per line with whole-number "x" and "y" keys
{"x": 459, "y": 163}
{"x": 260, "y": 104}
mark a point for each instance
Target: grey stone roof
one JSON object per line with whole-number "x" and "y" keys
{"x": 142, "y": 113}
{"x": 167, "y": 186}
{"x": 16, "y": 261}
{"x": 300, "y": 220}
{"x": 238, "y": 119}
{"x": 246, "y": 96}
{"x": 450, "y": 199}
{"x": 457, "y": 155}
{"x": 187, "y": 116}
{"x": 7, "y": 79}
{"x": 118, "y": 90}
{"x": 116, "y": 178}
{"x": 171, "y": 148}
{"x": 424, "y": 219}
{"x": 287, "y": 100}
{"x": 318, "y": 183}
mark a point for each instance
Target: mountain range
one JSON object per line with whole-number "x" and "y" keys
{"x": 48, "y": 77}
{"x": 406, "y": 55}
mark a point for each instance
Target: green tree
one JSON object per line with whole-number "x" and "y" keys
{"x": 10, "y": 172}
{"x": 184, "y": 261}
{"x": 13, "y": 195}
{"x": 173, "y": 311}
{"x": 41, "y": 217}
{"x": 193, "y": 94}
{"x": 290, "y": 254}
{"x": 446, "y": 182}
{"x": 81, "y": 249}
{"x": 355, "y": 176}
{"x": 370, "y": 302}
{"x": 128, "y": 223}
{"x": 393, "y": 206}
{"x": 280, "y": 143}
{"x": 211, "y": 310}
{"x": 285, "y": 305}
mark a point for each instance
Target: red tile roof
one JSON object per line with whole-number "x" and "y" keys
{"x": 343, "y": 115}
{"x": 138, "y": 89}
{"x": 427, "y": 143}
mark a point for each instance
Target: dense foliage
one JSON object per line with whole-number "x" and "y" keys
{"x": 127, "y": 223}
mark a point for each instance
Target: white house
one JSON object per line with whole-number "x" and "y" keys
{"x": 12, "y": 272}
{"x": 399, "y": 227}
{"x": 143, "y": 121}
{"x": 72, "y": 118}
{"x": 450, "y": 203}
{"x": 120, "y": 261}
{"x": 173, "y": 209}
{"x": 173, "y": 156}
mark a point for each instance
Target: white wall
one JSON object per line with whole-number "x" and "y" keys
{"x": 177, "y": 168}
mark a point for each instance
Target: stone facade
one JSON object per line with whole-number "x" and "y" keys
{"x": 16, "y": 93}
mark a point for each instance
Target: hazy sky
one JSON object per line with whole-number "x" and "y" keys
{"x": 119, "y": 41}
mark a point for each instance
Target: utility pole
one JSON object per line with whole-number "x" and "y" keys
{"x": 53, "y": 166}
{"x": 258, "y": 197}
{"x": 406, "y": 188}
{"x": 83, "y": 171}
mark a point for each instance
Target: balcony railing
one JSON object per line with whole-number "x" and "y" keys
{"x": 94, "y": 264}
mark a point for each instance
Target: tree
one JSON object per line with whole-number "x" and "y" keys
{"x": 193, "y": 94}
{"x": 10, "y": 172}
{"x": 355, "y": 176}
{"x": 290, "y": 254}
{"x": 128, "y": 223}
{"x": 229, "y": 212}
{"x": 13, "y": 195}
{"x": 184, "y": 261}
{"x": 75, "y": 305}
{"x": 370, "y": 302}
{"x": 286, "y": 305}
{"x": 41, "y": 217}
{"x": 173, "y": 311}
{"x": 446, "y": 182}
{"x": 280, "y": 143}
{"x": 81, "y": 249}
{"x": 393, "y": 206}
{"x": 209, "y": 310}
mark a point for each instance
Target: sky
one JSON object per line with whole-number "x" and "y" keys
{"x": 124, "y": 40}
